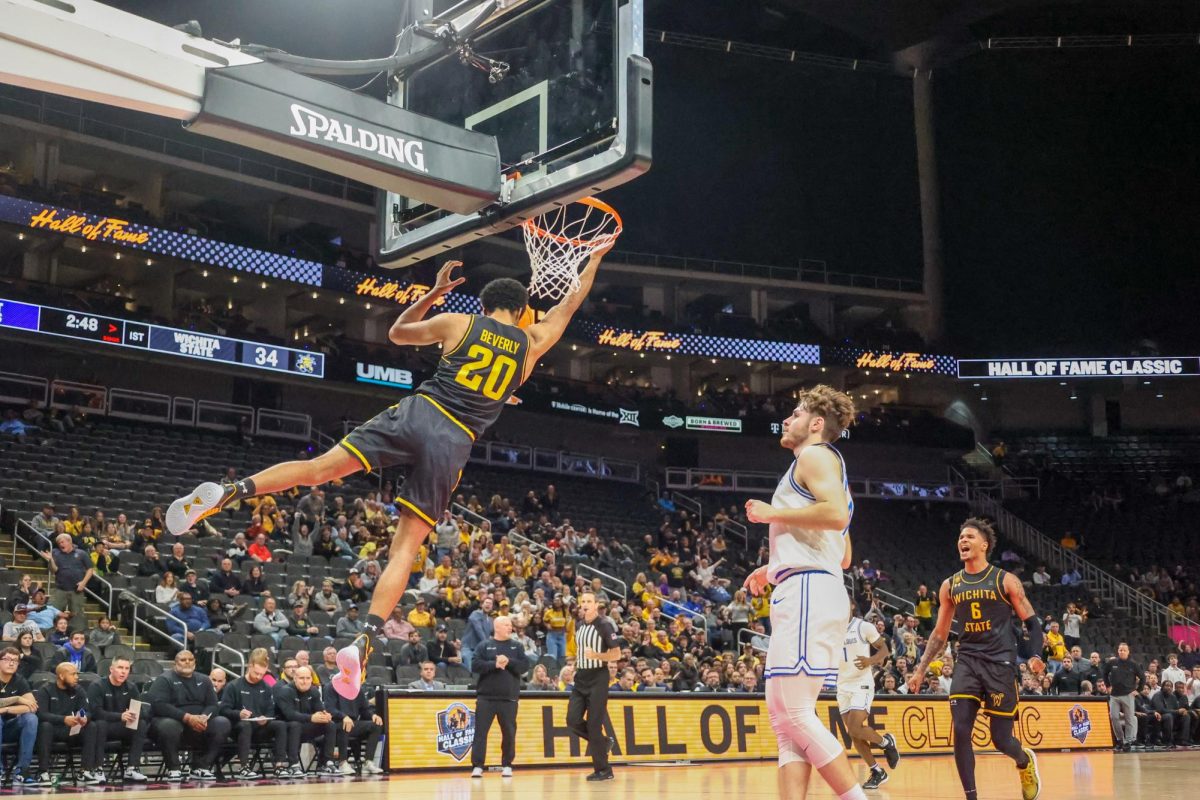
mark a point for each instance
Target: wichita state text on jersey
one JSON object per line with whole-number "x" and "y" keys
{"x": 984, "y": 615}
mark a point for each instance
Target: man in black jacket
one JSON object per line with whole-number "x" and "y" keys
{"x": 1123, "y": 677}
{"x": 18, "y": 717}
{"x": 225, "y": 581}
{"x": 249, "y": 705}
{"x": 1149, "y": 721}
{"x": 441, "y": 650}
{"x": 75, "y": 652}
{"x": 110, "y": 699}
{"x": 499, "y": 662}
{"x": 61, "y": 708}
{"x": 1067, "y": 680}
{"x": 355, "y": 721}
{"x": 184, "y": 707}
{"x": 1176, "y": 722}
{"x": 303, "y": 709}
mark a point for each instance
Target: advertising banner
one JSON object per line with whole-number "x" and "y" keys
{"x": 435, "y": 730}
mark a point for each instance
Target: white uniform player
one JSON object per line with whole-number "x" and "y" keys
{"x": 809, "y": 517}
{"x": 809, "y": 604}
{"x": 856, "y": 687}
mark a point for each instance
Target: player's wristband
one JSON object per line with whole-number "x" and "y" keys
{"x": 1032, "y": 645}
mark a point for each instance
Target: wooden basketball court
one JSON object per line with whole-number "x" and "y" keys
{"x": 1065, "y": 776}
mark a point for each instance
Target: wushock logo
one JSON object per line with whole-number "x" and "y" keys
{"x": 456, "y": 730}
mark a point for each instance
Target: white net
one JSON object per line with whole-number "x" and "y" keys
{"x": 561, "y": 240}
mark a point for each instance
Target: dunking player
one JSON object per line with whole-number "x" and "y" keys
{"x": 863, "y": 648}
{"x": 484, "y": 359}
{"x": 983, "y": 599}
{"x": 809, "y": 519}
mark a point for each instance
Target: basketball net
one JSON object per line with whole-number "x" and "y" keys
{"x": 560, "y": 241}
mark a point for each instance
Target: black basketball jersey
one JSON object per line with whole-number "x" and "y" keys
{"x": 476, "y": 377}
{"x": 984, "y": 615}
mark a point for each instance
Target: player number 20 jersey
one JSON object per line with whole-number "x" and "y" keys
{"x": 475, "y": 378}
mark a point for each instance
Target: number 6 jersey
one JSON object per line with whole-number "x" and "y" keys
{"x": 984, "y": 615}
{"x": 475, "y": 378}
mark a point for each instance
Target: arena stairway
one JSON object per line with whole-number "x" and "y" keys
{"x": 26, "y": 563}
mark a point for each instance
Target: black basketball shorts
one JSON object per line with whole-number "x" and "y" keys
{"x": 992, "y": 683}
{"x": 419, "y": 433}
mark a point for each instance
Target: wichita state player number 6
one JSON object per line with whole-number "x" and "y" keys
{"x": 501, "y": 374}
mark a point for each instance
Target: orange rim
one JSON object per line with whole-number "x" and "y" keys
{"x": 595, "y": 203}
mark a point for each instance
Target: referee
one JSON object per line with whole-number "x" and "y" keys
{"x": 595, "y": 646}
{"x": 500, "y": 662}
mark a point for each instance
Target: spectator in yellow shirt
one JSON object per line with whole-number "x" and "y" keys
{"x": 1055, "y": 648}
{"x": 662, "y": 644}
{"x": 760, "y": 607}
{"x": 421, "y": 617}
{"x": 555, "y": 619}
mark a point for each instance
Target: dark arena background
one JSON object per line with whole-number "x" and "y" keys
{"x": 976, "y": 219}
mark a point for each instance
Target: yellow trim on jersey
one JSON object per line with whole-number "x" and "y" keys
{"x": 996, "y": 713}
{"x": 1000, "y": 588}
{"x": 524, "y": 357}
{"x": 449, "y": 416}
{"x": 358, "y": 453}
{"x": 415, "y": 510}
{"x": 986, "y": 572}
{"x": 967, "y": 697}
{"x": 461, "y": 341}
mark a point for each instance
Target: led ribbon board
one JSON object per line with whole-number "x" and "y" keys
{"x": 1078, "y": 368}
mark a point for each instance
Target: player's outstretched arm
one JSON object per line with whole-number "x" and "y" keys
{"x": 937, "y": 640}
{"x": 411, "y": 327}
{"x": 545, "y": 333}
{"x": 821, "y": 471}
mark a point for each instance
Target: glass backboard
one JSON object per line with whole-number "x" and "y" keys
{"x": 571, "y": 116}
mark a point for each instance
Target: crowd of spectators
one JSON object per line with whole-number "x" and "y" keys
{"x": 685, "y": 624}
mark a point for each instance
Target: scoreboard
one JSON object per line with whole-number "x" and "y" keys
{"x": 159, "y": 339}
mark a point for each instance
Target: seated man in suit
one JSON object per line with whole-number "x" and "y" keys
{"x": 428, "y": 681}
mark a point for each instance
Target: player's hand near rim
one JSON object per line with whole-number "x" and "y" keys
{"x": 411, "y": 327}
{"x": 444, "y": 283}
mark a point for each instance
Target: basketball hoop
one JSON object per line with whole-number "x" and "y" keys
{"x": 561, "y": 240}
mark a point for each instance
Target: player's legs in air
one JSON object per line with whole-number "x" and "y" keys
{"x": 209, "y": 498}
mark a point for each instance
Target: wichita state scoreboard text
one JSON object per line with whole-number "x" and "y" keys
{"x": 102, "y": 329}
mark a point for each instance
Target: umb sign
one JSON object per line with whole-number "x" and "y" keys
{"x": 1075, "y": 368}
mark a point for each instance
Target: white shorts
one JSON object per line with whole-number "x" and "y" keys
{"x": 854, "y": 698}
{"x": 809, "y": 612}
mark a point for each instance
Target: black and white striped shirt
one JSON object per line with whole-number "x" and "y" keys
{"x": 598, "y": 635}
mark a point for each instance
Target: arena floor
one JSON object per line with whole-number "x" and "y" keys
{"x": 1065, "y": 776}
